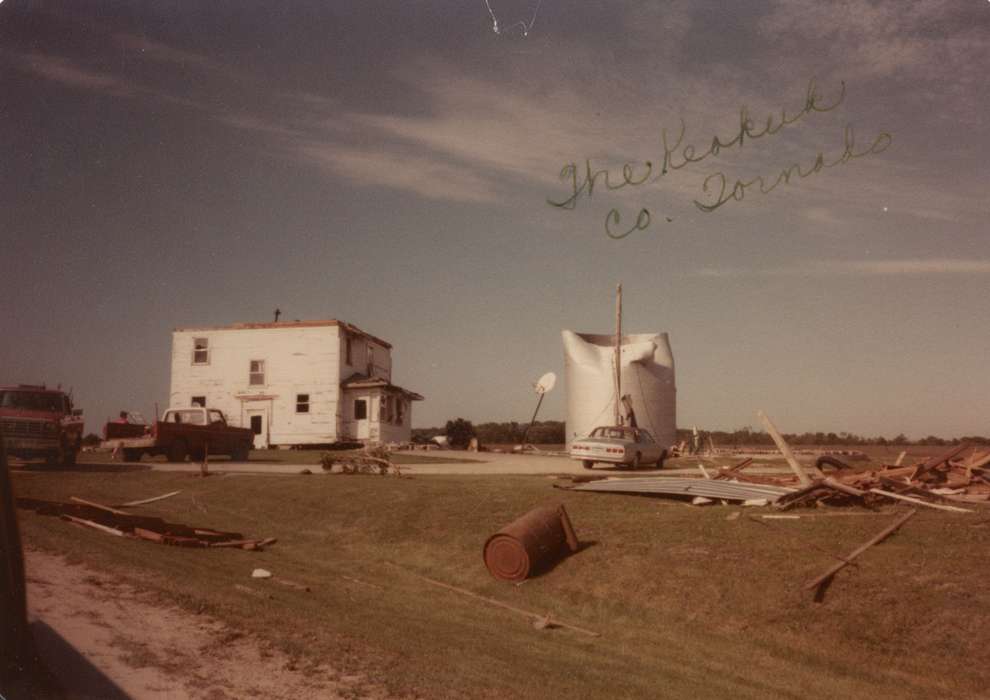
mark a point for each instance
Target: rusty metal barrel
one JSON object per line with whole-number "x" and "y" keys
{"x": 530, "y": 543}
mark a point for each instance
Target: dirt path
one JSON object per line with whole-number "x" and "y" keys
{"x": 106, "y": 639}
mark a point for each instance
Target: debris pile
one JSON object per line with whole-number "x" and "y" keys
{"x": 370, "y": 460}
{"x": 960, "y": 475}
{"x": 113, "y": 521}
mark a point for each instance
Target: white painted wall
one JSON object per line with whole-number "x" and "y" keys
{"x": 298, "y": 360}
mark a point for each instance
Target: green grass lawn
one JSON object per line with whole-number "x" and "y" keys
{"x": 688, "y": 602}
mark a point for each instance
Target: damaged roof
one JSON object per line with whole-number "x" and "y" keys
{"x": 363, "y": 381}
{"x": 349, "y": 328}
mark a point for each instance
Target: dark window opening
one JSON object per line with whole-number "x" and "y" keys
{"x": 360, "y": 409}
{"x": 199, "y": 401}
{"x": 256, "y": 425}
{"x": 302, "y": 403}
{"x": 201, "y": 351}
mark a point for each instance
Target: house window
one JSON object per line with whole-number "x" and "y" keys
{"x": 198, "y": 401}
{"x": 389, "y": 403}
{"x": 302, "y": 403}
{"x": 201, "y": 351}
{"x": 256, "y": 375}
{"x": 360, "y": 409}
{"x": 371, "y": 360}
{"x": 347, "y": 350}
{"x": 256, "y": 425}
{"x": 400, "y": 411}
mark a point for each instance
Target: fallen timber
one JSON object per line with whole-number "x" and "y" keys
{"x": 109, "y": 520}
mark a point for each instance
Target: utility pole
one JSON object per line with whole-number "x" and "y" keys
{"x": 618, "y": 354}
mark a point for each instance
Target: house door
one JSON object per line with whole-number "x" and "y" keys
{"x": 361, "y": 409}
{"x": 258, "y": 422}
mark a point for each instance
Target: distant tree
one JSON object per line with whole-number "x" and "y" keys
{"x": 900, "y": 439}
{"x": 459, "y": 432}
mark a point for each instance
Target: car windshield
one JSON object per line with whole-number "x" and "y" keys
{"x": 189, "y": 417}
{"x": 614, "y": 432}
{"x": 31, "y": 400}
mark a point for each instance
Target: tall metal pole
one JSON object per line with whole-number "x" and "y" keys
{"x": 618, "y": 354}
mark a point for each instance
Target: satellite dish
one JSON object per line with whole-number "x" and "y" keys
{"x": 546, "y": 383}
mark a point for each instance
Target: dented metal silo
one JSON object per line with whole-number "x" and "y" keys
{"x": 647, "y": 377}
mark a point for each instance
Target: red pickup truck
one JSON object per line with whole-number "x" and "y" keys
{"x": 40, "y": 422}
{"x": 180, "y": 433}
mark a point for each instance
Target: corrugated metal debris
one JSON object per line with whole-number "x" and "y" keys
{"x": 675, "y": 486}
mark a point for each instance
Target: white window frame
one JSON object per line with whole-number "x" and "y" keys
{"x": 300, "y": 402}
{"x": 254, "y": 375}
{"x": 197, "y": 349}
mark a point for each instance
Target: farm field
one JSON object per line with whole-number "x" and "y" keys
{"x": 689, "y": 602}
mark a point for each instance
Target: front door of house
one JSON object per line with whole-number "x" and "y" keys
{"x": 362, "y": 410}
{"x": 258, "y": 422}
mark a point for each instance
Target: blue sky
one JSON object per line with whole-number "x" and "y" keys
{"x": 390, "y": 164}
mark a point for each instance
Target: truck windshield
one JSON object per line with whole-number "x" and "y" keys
{"x": 32, "y": 401}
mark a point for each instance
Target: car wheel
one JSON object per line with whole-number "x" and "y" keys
{"x": 132, "y": 455}
{"x": 661, "y": 459}
{"x": 587, "y": 463}
{"x": 177, "y": 451}
{"x": 636, "y": 461}
{"x": 69, "y": 458}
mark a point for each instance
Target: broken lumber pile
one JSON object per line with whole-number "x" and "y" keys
{"x": 117, "y": 522}
{"x": 370, "y": 460}
{"x": 960, "y": 474}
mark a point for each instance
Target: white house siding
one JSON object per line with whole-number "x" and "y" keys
{"x": 305, "y": 358}
{"x": 298, "y": 360}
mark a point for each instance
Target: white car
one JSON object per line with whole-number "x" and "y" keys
{"x": 618, "y": 444}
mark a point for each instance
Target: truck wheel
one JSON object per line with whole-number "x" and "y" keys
{"x": 177, "y": 451}
{"x": 587, "y": 463}
{"x": 132, "y": 455}
{"x": 52, "y": 459}
{"x": 635, "y": 463}
{"x": 197, "y": 455}
{"x": 69, "y": 458}
{"x": 240, "y": 454}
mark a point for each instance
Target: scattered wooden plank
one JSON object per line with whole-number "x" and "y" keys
{"x": 143, "y": 501}
{"x": 291, "y": 584}
{"x": 900, "y": 458}
{"x": 935, "y": 461}
{"x": 848, "y": 490}
{"x": 884, "y": 534}
{"x": 91, "y": 524}
{"x": 93, "y": 504}
{"x": 491, "y": 601}
{"x": 148, "y": 535}
{"x": 919, "y": 502}
{"x": 785, "y": 450}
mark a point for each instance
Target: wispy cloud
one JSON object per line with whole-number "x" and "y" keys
{"x": 70, "y": 74}
{"x": 857, "y": 268}
{"x": 424, "y": 176}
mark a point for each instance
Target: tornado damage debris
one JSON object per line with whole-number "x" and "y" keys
{"x": 114, "y": 521}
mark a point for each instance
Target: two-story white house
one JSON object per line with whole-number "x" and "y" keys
{"x": 293, "y": 383}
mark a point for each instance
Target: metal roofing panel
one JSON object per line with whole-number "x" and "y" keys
{"x": 727, "y": 490}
